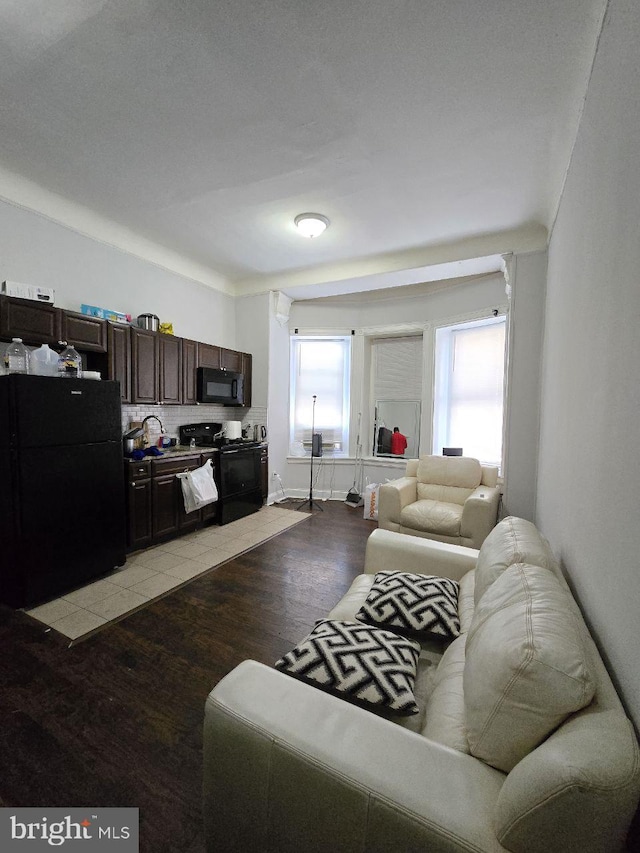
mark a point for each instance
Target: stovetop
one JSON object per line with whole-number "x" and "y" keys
{"x": 208, "y": 435}
{"x": 237, "y": 444}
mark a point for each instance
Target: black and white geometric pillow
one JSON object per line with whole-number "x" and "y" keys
{"x": 413, "y": 603}
{"x": 365, "y": 664}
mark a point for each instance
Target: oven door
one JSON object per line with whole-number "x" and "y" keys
{"x": 219, "y": 386}
{"x": 240, "y": 483}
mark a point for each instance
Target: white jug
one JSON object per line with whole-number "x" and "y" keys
{"x": 44, "y": 361}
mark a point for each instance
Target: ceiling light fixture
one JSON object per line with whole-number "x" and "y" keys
{"x": 311, "y": 224}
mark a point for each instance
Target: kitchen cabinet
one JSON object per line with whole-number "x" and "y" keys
{"x": 170, "y": 369}
{"x": 144, "y": 366}
{"x": 189, "y": 364}
{"x": 169, "y": 515}
{"x": 32, "y": 321}
{"x": 247, "y": 363}
{"x": 208, "y": 355}
{"x": 88, "y": 334}
{"x": 156, "y": 367}
{"x": 151, "y": 367}
{"x": 119, "y": 357}
{"x": 155, "y": 503}
{"x": 138, "y": 486}
{"x": 231, "y": 360}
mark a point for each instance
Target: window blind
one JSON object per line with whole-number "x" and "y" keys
{"x": 397, "y": 373}
{"x": 468, "y": 408}
{"x": 320, "y": 367}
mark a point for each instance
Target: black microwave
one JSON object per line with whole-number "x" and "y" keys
{"x": 220, "y": 386}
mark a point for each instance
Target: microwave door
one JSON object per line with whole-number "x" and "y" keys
{"x": 216, "y": 390}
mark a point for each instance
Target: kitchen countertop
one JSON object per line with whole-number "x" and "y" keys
{"x": 180, "y": 450}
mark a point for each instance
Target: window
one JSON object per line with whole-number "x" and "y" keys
{"x": 468, "y": 401}
{"x": 320, "y": 366}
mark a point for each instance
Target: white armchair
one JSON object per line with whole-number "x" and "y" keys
{"x": 448, "y": 498}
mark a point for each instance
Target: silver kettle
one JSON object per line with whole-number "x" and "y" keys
{"x": 259, "y": 433}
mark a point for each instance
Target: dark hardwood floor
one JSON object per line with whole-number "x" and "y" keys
{"x": 116, "y": 720}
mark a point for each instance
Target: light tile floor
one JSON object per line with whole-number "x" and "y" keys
{"x": 155, "y": 571}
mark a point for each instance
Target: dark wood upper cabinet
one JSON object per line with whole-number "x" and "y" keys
{"x": 189, "y": 364}
{"x": 144, "y": 366}
{"x": 247, "y": 366}
{"x": 208, "y": 355}
{"x": 170, "y": 358}
{"x": 231, "y": 360}
{"x": 85, "y": 333}
{"x": 119, "y": 357}
{"x": 32, "y": 321}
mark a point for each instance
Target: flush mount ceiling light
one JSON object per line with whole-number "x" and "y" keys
{"x": 311, "y": 224}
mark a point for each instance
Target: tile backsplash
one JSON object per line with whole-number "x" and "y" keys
{"x": 173, "y": 416}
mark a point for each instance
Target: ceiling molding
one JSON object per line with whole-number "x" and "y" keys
{"x": 400, "y": 268}
{"x": 21, "y": 192}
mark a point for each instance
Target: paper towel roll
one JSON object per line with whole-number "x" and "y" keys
{"x": 232, "y": 429}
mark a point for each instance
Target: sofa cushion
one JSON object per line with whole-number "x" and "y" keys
{"x": 433, "y": 516}
{"x": 513, "y": 540}
{"x": 445, "y": 712}
{"x": 526, "y": 666}
{"x": 466, "y": 605}
{"x": 413, "y": 603}
{"x": 359, "y": 662}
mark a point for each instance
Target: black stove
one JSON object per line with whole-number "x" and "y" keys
{"x": 235, "y": 444}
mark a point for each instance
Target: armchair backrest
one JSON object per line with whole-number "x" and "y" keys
{"x": 489, "y": 472}
{"x": 445, "y": 478}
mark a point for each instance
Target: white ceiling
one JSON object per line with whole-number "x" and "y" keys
{"x": 427, "y": 132}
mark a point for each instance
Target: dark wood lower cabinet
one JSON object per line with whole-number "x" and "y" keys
{"x": 155, "y": 502}
{"x": 138, "y": 486}
{"x": 164, "y": 506}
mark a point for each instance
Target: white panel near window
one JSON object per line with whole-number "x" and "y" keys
{"x": 320, "y": 366}
{"x": 469, "y": 389}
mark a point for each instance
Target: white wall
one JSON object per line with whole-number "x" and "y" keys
{"x": 437, "y": 302}
{"x": 36, "y": 250}
{"x": 526, "y": 326}
{"x": 588, "y": 495}
{"x": 278, "y": 418}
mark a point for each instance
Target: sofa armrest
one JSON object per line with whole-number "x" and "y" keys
{"x": 480, "y": 514}
{"x": 393, "y": 497}
{"x": 402, "y": 552}
{"x": 289, "y": 768}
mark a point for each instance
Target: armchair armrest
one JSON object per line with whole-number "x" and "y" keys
{"x": 394, "y": 496}
{"x": 389, "y": 550}
{"x": 479, "y": 514}
{"x": 290, "y": 768}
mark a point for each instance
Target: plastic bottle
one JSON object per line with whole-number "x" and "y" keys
{"x": 16, "y": 357}
{"x": 69, "y": 362}
{"x": 44, "y": 361}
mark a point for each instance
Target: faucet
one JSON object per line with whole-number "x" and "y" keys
{"x": 148, "y": 418}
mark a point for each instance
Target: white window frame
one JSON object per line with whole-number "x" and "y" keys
{"x": 329, "y": 448}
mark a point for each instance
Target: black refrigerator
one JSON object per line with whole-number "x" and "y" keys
{"x": 62, "y": 510}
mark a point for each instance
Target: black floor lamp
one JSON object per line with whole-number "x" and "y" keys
{"x": 313, "y": 430}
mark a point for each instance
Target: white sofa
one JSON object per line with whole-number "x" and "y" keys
{"x": 289, "y": 768}
{"x": 451, "y": 499}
